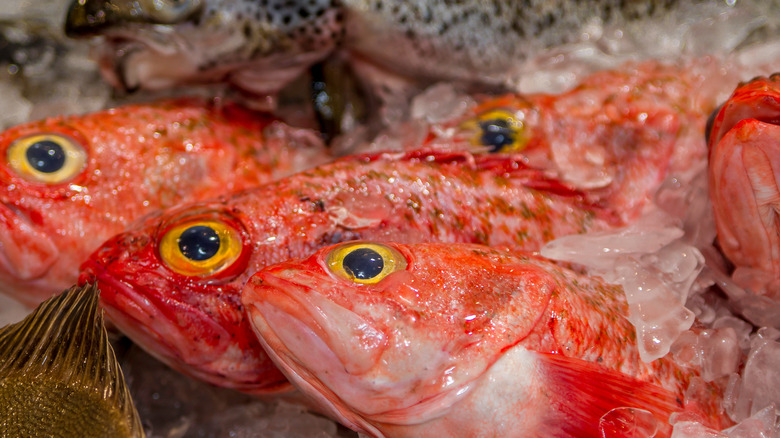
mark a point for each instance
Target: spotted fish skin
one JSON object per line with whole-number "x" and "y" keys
{"x": 260, "y": 45}
{"x": 461, "y": 340}
{"x": 126, "y": 162}
{"x": 164, "y": 302}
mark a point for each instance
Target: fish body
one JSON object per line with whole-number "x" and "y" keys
{"x": 163, "y": 294}
{"x": 59, "y": 376}
{"x": 69, "y": 183}
{"x": 744, "y": 141}
{"x": 260, "y": 46}
{"x": 618, "y": 135}
{"x": 462, "y": 340}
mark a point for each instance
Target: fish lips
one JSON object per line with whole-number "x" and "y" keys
{"x": 26, "y": 252}
{"x": 325, "y": 350}
{"x": 133, "y": 59}
{"x": 757, "y": 99}
{"x": 297, "y": 344}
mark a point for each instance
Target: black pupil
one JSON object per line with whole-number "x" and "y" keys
{"x": 199, "y": 242}
{"x": 46, "y": 156}
{"x": 496, "y": 133}
{"x": 363, "y": 263}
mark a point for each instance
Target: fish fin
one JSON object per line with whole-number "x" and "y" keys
{"x": 586, "y": 392}
{"x": 61, "y": 353}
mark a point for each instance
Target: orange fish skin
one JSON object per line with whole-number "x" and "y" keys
{"x": 461, "y": 340}
{"x": 419, "y": 196}
{"x": 136, "y": 159}
{"x": 744, "y": 159}
{"x": 618, "y": 134}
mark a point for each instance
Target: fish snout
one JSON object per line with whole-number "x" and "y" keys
{"x": 757, "y": 99}
{"x": 311, "y": 327}
{"x": 26, "y": 251}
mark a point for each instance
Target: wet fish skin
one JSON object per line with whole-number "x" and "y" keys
{"x": 118, "y": 165}
{"x": 744, "y": 143}
{"x": 208, "y": 40}
{"x": 59, "y": 376}
{"x": 260, "y": 46}
{"x": 459, "y": 340}
{"x": 156, "y": 296}
{"x": 618, "y": 134}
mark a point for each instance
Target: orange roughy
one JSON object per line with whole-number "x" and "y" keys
{"x": 69, "y": 183}
{"x": 744, "y": 170}
{"x": 173, "y": 282}
{"x": 464, "y": 340}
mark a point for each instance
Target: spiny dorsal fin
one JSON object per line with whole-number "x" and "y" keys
{"x": 59, "y": 375}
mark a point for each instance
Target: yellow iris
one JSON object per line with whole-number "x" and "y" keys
{"x": 499, "y": 130}
{"x": 365, "y": 263}
{"x": 46, "y": 158}
{"x": 200, "y": 247}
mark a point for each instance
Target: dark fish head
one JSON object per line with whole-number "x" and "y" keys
{"x": 172, "y": 284}
{"x": 154, "y": 44}
{"x": 382, "y": 333}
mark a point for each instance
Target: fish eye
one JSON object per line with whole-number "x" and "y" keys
{"x": 170, "y": 11}
{"x": 46, "y": 158}
{"x": 365, "y": 263}
{"x": 499, "y": 131}
{"x": 200, "y": 247}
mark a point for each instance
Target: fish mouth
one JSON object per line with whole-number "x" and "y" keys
{"x": 133, "y": 59}
{"x": 758, "y": 99}
{"x": 26, "y": 252}
{"x": 745, "y": 190}
{"x": 143, "y": 319}
{"x": 329, "y": 351}
{"x": 294, "y": 340}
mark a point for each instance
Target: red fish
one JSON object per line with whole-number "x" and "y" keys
{"x": 744, "y": 141}
{"x": 618, "y": 134}
{"x": 173, "y": 282}
{"x": 463, "y": 340}
{"x": 69, "y": 183}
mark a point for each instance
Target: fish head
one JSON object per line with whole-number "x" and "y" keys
{"x": 46, "y": 170}
{"x": 156, "y": 44}
{"x": 744, "y": 170}
{"x": 172, "y": 284}
{"x": 382, "y": 333}
{"x": 69, "y": 183}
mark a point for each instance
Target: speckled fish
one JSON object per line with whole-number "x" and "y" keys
{"x": 744, "y": 140}
{"x": 261, "y": 45}
{"x": 463, "y": 340}
{"x": 59, "y": 376}
{"x": 173, "y": 282}
{"x": 69, "y": 183}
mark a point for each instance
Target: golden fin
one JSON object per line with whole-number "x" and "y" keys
{"x": 59, "y": 375}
